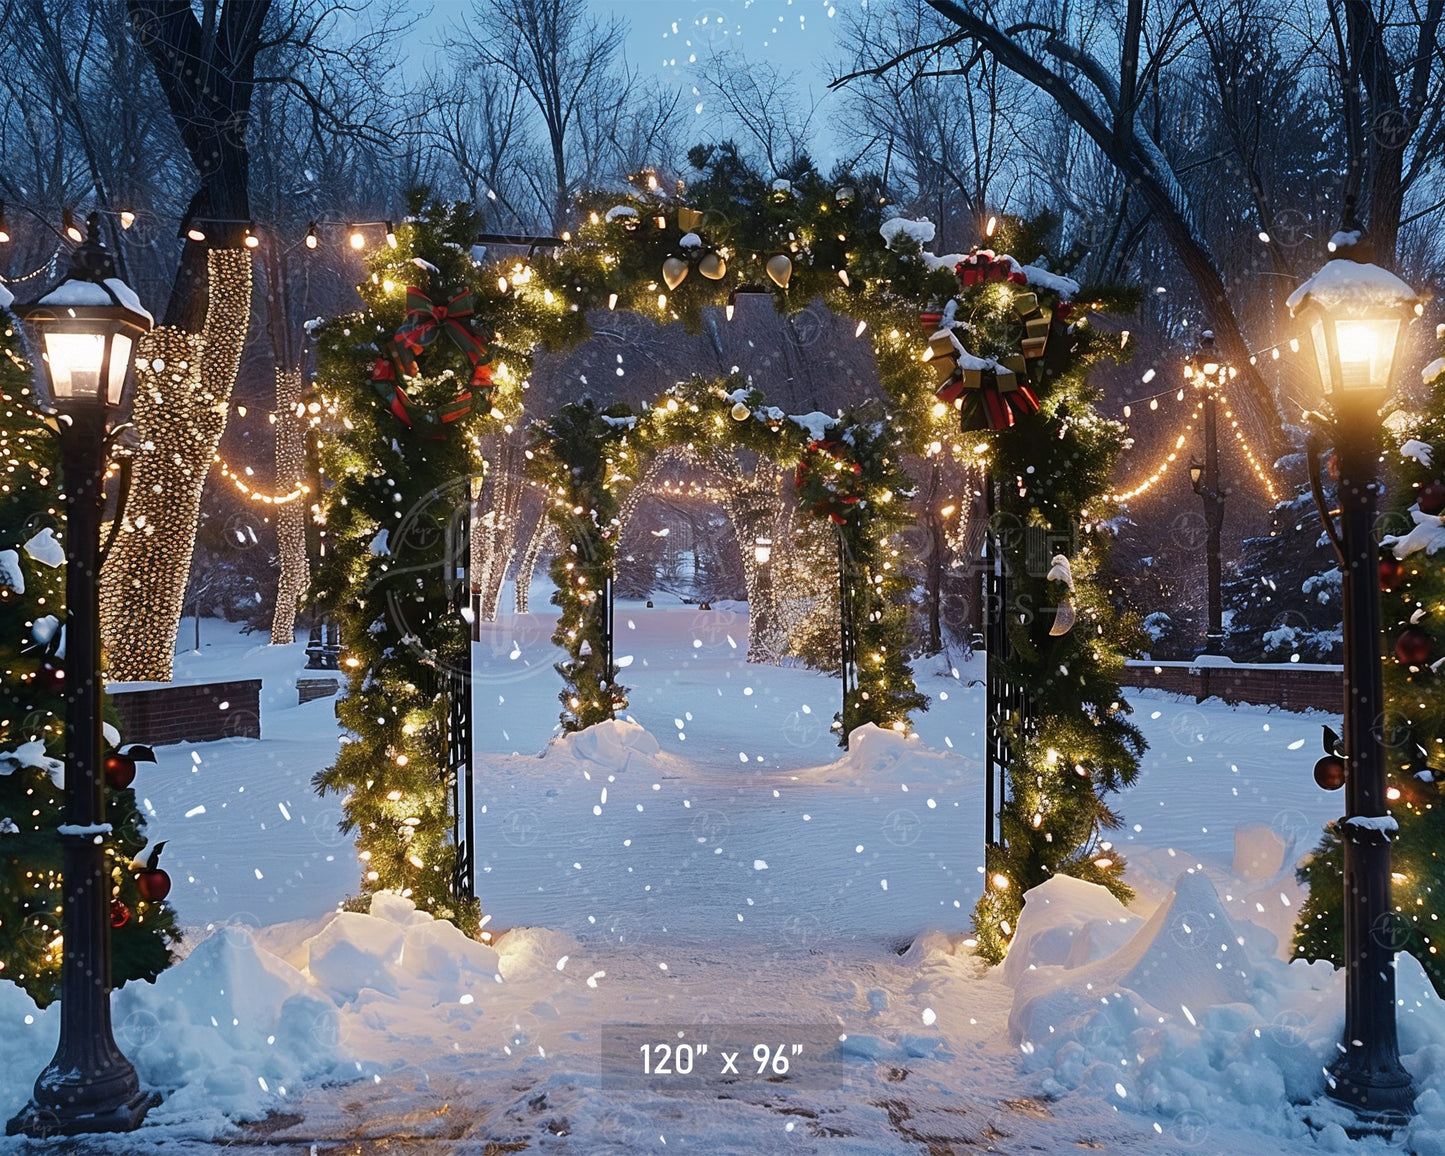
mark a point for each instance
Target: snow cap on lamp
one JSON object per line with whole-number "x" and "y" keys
{"x": 1355, "y": 311}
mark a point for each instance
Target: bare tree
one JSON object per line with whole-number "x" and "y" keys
{"x": 946, "y": 138}
{"x": 567, "y": 62}
{"x": 764, "y": 103}
{"x": 1120, "y": 83}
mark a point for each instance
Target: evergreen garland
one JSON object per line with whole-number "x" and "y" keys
{"x": 569, "y": 455}
{"x": 1412, "y": 577}
{"x": 396, "y": 487}
{"x": 589, "y": 460}
{"x": 1075, "y": 746}
{"x": 32, "y": 728}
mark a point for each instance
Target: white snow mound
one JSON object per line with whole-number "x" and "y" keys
{"x": 609, "y": 744}
{"x": 1171, "y": 961}
{"x": 1066, "y": 922}
{"x": 226, "y": 1031}
{"x": 354, "y": 952}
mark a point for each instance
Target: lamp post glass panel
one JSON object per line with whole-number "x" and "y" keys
{"x": 1208, "y": 372}
{"x": 1356, "y": 312}
{"x": 83, "y": 332}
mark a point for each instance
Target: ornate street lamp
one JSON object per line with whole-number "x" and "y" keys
{"x": 83, "y": 332}
{"x": 1356, "y": 312}
{"x": 762, "y": 550}
{"x": 1208, "y": 372}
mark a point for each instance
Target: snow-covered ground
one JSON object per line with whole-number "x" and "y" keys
{"x": 715, "y": 866}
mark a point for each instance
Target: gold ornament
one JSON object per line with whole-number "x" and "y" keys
{"x": 741, "y": 412}
{"x": 780, "y": 269}
{"x": 674, "y": 272}
{"x": 713, "y": 267}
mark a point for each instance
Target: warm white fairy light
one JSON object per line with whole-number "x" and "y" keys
{"x": 237, "y": 479}
{"x": 1159, "y": 471}
{"x": 1255, "y": 464}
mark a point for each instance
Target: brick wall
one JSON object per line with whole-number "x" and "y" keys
{"x": 310, "y": 689}
{"x": 1287, "y": 687}
{"x": 189, "y": 712}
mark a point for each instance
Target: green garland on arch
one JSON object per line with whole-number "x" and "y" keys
{"x": 588, "y": 460}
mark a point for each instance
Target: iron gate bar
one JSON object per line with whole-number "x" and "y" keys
{"x": 458, "y": 682}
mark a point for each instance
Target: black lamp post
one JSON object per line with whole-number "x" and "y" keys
{"x": 1208, "y": 373}
{"x": 84, "y": 331}
{"x": 1356, "y": 311}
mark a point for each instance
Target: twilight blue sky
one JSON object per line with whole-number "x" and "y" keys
{"x": 664, "y": 35}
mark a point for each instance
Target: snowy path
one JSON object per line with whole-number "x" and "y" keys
{"x": 727, "y": 870}
{"x": 732, "y": 832}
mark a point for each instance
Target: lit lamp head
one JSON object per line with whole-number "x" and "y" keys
{"x": 1205, "y": 367}
{"x": 763, "y": 550}
{"x": 1356, "y": 311}
{"x": 1196, "y": 473}
{"x": 84, "y": 331}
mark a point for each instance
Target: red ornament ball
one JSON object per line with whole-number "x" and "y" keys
{"x": 1391, "y": 571}
{"x": 153, "y": 884}
{"x": 1412, "y": 647}
{"x": 119, "y": 913}
{"x": 1330, "y": 772}
{"x": 1431, "y": 498}
{"x": 119, "y": 771}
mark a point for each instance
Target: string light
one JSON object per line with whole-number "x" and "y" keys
{"x": 1160, "y": 470}
{"x": 237, "y": 479}
{"x": 1255, "y": 464}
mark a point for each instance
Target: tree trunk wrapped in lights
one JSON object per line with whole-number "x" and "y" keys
{"x": 494, "y": 529}
{"x": 290, "y": 516}
{"x": 183, "y": 393}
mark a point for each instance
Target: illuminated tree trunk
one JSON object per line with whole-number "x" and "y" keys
{"x": 494, "y": 530}
{"x": 528, "y": 566}
{"x": 290, "y": 516}
{"x": 753, "y": 505}
{"x": 183, "y": 392}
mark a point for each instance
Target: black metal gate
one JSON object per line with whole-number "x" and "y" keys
{"x": 847, "y": 636}
{"x": 458, "y": 687}
{"x": 1006, "y": 701}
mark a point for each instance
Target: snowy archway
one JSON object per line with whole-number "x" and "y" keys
{"x": 847, "y": 472}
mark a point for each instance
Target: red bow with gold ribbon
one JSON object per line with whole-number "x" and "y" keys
{"x": 983, "y": 265}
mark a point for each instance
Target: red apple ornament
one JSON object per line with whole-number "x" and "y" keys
{"x": 1391, "y": 571}
{"x": 154, "y": 884}
{"x": 119, "y": 770}
{"x": 119, "y": 913}
{"x": 1412, "y": 647}
{"x": 1330, "y": 772}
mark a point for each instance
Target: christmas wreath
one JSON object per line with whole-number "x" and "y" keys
{"x": 397, "y": 365}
